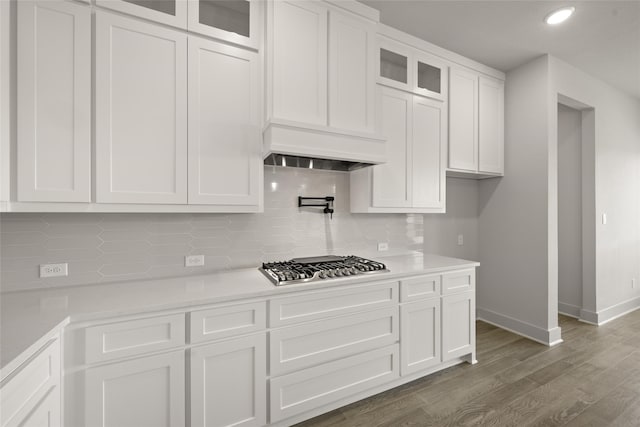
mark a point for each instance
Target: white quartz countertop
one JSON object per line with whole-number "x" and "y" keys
{"x": 28, "y": 318}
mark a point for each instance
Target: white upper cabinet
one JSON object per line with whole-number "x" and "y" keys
{"x": 351, "y": 73}
{"x": 430, "y": 76}
{"x": 413, "y": 178}
{"x": 225, "y": 163}
{"x": 463, "y": 116}
{"x": 169, "y": 12}
{"x": 491, "y": 125}
{"x": 476, "y": 124}
{"x": 391, "y": 180}
{"x": 320, "y": 76}
{"x": 298, "y": 57}
{"x": 409, "y": 69}
{"x": 428, "y": 154}
{"x": 396, "y": 61}
{"x": 54, "y": 102}
{"x": 141, "y": 112}
{"x": 235, "y": 21}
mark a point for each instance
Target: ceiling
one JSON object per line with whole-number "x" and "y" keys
{"x": 602, "y": 38}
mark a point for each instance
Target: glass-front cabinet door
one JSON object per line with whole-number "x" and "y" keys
{"x": 170, "y": 12}
{"x": 395, "y": 65}
{"x": 234, "y": 21}
{"x": 431, "y": 76}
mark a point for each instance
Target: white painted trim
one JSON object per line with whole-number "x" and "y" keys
{"x": 608, "y": 314}
{"x": 549, "y": 337}
{"x": 588, "y": 316}
{"x": 569, "y": 310}
{"x": 125, "y": 207}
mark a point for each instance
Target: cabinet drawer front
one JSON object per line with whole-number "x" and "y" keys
{"x": 21, "y": 393}
{"x": 216, "y": 323}
{"x": 318, "y": 305}
{"x": 302, "y": 346}
{"x": 417, "y": 288}
{"x": 113, "y": 340}
{"x": 305, "y": 390}
{"x": 459, "y": 281}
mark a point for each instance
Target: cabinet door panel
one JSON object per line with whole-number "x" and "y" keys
{"x": 395, "y": 64}
{"x": 141, "y": 112}
{"x": 54, "y": 102}
{"x": 228, "y": 383}
{"x": 224, "y": 132}
{"x": 46, "y": 413}
{"x": 351, "y": 73}
{"x": 420, "y": 336}
{"x": 145, "y": 392}
{"x": 235, "y": 21}
{"x": 458, "y": 325}
{"x": 170, "y": 12}
{"x": 428, "y": 154}
{"x": 391, "y": 179}
{"x": 463, "y": 129}
{"x": 299, "y": 61}
{"x": 491, "y": 125}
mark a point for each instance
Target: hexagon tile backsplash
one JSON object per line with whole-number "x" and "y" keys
{"x": 114, "y": 247}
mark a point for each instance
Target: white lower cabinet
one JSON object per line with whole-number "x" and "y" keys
{"x": 309, "y": 344}
{"x": 46, "y": 413}
{"x": 458, "y": 325}
{"x": 144, "y": 392}
{"x": 317, "y": 351}
{"x": 30, "y": 395}
{"x": 311, "y": 388}
{"x": 420, "y": 335}
{"x": 228, "y": 383}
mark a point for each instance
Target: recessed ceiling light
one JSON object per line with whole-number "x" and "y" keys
{"x": 559, "y": 15}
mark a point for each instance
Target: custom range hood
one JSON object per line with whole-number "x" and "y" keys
{"x": 292, "y": 146}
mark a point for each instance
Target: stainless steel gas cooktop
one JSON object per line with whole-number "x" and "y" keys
{"x": 302, "y": 270}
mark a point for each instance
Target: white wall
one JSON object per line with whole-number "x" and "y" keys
{"x": 441, "y": 231}
{"x": 518, "y": 277}
{"x": 514, "y": 287}
{"x": 569, "y": 210}
{"x": 617, "y": 188}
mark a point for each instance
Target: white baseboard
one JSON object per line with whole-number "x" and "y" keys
{"x": 569, "y": 310}
{"x": 549, "y": 337}
{"x": 610, "y": 313}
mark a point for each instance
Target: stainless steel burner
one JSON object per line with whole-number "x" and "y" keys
{"x": 301, "y": 270}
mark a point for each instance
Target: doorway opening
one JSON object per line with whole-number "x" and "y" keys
{"x": 576, "y": 209}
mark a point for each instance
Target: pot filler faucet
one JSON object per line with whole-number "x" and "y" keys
{"x": 328, "y": 205}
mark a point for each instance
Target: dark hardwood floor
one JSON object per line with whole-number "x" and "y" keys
{"x": 591, "y": 379}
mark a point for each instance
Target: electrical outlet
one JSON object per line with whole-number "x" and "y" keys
{"x": 604, "y": 219}
{"x": 383, "y": 246}
{"x": 194, "y": 260}
{"x": 460, "y": 239}
{"x": 54, "y": 270}
{"x": 633, "y": 283}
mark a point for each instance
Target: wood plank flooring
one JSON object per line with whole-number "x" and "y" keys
{"x": 591, "y": 379}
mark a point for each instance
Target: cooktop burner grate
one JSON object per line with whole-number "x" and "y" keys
{"x": 302, "y": 270}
